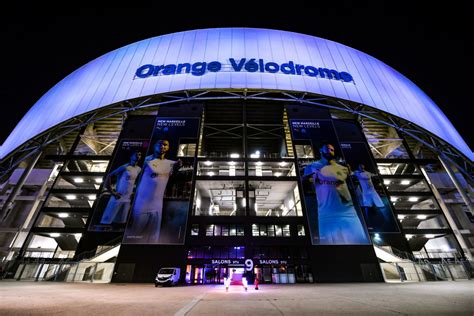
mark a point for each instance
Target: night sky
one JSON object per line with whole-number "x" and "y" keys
{"x": 432, "y": 45}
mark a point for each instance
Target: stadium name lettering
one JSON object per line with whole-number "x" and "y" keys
{"x": 242, "y": 65}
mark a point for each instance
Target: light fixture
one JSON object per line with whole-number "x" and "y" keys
{"x": 400, "y": 217}
{"x": 71, "y": 197}
{"x": 98, "y": 180}
{"x": 413, "y": 199}
{"x": 405, "y": 182}
{"x": 256, "y": 154}
{"x": 408, "y": 236}
{"x": 63, "y": 215}
{"x": 259, "y": 163}
{"x": 232, "y": 163}
{"x": 209, "y": 163}
{"x": 234, "y": 155}
{"x": 78, "y": 180}
{"x": 387, "y": 182}
{"x": 282, "y": 164}
{"x": 429, "y": 236}
{"x": 92, "y": 197}
{"x": 277, "y": 174}
{"x": 78, "y": 235}
{"x": 393, "y": 199}
{"x": 422, "y": 216}
{"x": 55, "y": 234}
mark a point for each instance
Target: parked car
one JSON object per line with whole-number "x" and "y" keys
{"x": 167, "y": 276}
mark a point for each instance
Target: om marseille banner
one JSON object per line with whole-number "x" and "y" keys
{"x": 334, "y": 216}
{"x": 161, "y": 203}
{"x": 112, "y": 209}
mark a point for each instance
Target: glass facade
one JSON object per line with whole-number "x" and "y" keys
{"x": 244, "y": 180}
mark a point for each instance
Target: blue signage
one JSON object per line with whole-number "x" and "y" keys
{"x": 250, "y": 65}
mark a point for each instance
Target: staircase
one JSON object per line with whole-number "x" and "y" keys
{"x": 400, "y": 266}
{"x": 92, "y": 266}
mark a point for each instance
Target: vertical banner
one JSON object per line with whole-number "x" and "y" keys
{"x": 334, "y": 218}
{"x": 114, "y": 203}
{"x": 369, "y": 189}
{"x": 161, "y": 203}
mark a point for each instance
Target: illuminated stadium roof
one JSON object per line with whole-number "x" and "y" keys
{"x": 235, "y": 58}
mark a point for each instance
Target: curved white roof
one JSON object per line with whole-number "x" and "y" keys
{"x": 112, "y": 77}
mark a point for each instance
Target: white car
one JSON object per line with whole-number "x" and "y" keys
{"x": 167, "y": 276}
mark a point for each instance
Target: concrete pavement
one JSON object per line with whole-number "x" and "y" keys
{"x": 428, "y": 298}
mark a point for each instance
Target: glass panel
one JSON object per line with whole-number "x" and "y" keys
{"x": 195, "y": 230}
{"x": 221, "y": 168}
{"x": 62, "y": 220}
{"x": 53, "y": 245}
{"x": 423, "y": 221}
{"x": 413, "y": 202}
{"x": 255, "y": 230}
{"x": 406, "y": 185}
{"x": 210, "y": 230}
{"x": 217, "y": 230}
{"x": 272, "y": 169}
{"x": 67, "y": 181}
{"x": 263, "y": 230}
{"x": 406, "y": 169}
{"x": 301, "y": 231}
{"x": 219, "y": 198}
{"x": 87, "y": 165}
{"x": 71, "y": 200}
{"x": 186, "y": 150}
{"x": 240, "y": 231}
{"x": 274, "y": 198}
{"x": 278, "y": 231}
{"x": 304, "y": 151}
{"x": 225, "y": 230}
{"x": 286, "y": 230}
{"x": 232, "y": 231}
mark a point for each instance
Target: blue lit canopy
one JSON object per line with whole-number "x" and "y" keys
{"x": 113, "y": 77}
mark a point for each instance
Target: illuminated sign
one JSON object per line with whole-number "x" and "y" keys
{"x": 242, "y": 65}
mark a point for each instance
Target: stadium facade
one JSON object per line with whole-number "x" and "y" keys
{"x": 236, "y": 151}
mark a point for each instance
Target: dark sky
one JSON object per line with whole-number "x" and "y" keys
{"x": 431, "y": 44}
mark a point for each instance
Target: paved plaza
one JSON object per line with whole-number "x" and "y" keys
{"x": 428, "y": 298}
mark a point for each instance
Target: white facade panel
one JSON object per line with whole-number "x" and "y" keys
{"x": 112, "y": 78}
